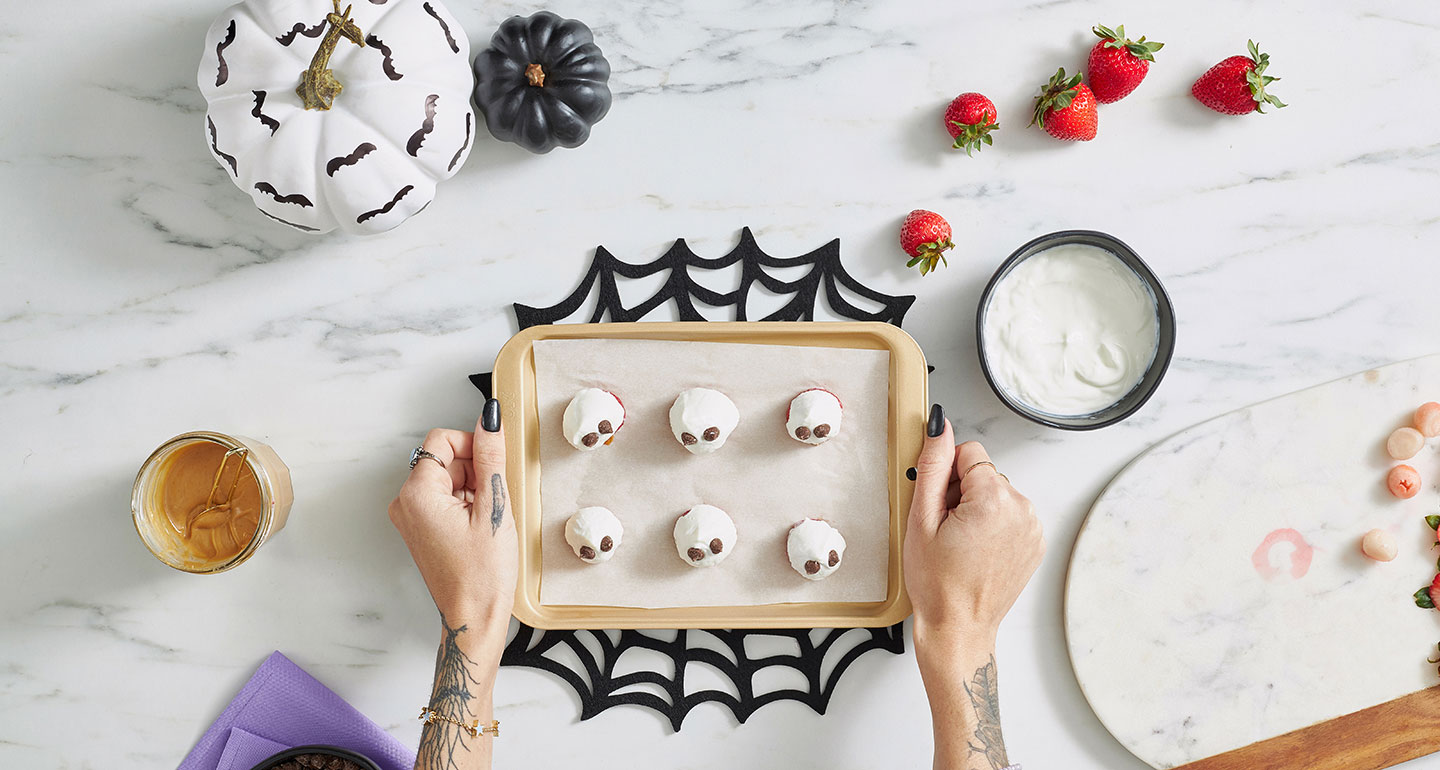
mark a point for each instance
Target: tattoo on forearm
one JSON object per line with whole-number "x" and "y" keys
{"x": 497, "y": 502}
{"x": 984, "y": 692}
{"x": 442, "y": 742}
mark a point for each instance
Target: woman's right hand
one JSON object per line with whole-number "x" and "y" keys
{"x": 454, "y": 514}
{"x": 972, "y": 542}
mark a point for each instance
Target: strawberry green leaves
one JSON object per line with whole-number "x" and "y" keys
{"x": 1257, "y": 80}
{"x": 970, "y": 137}
{"x": 1423, "y": 600}
{"x": 1140, "y": 49}
{"x": 929, "y": 262}
{"x": 1056, "y": 96}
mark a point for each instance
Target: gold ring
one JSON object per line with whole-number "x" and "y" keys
{"x": 977, "y": 465}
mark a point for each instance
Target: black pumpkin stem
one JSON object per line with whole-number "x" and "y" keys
{"x": 536, "y": 75}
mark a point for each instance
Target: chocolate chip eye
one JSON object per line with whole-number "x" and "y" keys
{"x": 802, "y": 433}
{"x": 605, "y": 427}
{"x": 586, "y": 552}
{"x": 834, "y": 557}
{"x": 590, "y": 439}
{"x": 822, "y": 430}
{"x": 811, "y": 567}
{"x": 695, "y": 554}
{"x": 606, "y": 544}
{"x": 716, "y": 546}
{"x": 688, "y": 439}
{"x": 711, "y": 434}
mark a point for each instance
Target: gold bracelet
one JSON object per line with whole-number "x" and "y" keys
{"x": 431, "y": 716}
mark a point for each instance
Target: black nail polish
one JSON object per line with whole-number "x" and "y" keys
{"x": 490, "y": 417}
{"x": 936, "y": 425}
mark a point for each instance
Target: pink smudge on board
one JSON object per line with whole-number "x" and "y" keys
{"x": 1299, "y": 559}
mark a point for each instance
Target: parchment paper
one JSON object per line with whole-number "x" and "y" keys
{"x": 765, "y": 480}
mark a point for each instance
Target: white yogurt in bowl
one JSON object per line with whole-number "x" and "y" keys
{"x": 1074, "y": 330}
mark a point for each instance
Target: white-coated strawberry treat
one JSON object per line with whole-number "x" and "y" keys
{"x": 704, "y": 536}
{"x": 814, "y": 416}
{"x": 594, "y": 534}
{"x": 702, "y": 419}
{"x": 815, "y": 548}
{"x": 592, "y": 419}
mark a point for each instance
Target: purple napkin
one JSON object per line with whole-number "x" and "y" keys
{"x": 281, "y": 707}
{"x": 244, "y": 750}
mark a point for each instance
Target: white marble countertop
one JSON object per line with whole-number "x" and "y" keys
{"x": 143, "y": 296}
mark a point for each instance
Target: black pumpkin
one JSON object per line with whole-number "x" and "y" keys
{"x": 542, "y": 82}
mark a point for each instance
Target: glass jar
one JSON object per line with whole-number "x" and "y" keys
{"x": 204, "y": 502}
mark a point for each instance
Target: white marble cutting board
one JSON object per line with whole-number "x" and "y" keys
{"x": 1190, "y": 639}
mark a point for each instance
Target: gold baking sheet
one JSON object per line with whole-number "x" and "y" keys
{"x": 516, "y": 385}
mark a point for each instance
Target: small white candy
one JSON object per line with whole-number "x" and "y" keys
{"x": 1378, "y": 545}
{"x": 815, "y": 549}
{"x": 702, "y": 419}
{"x": 814, "y": 416}
{"x": 594, "y": 534}
{"x": 1405, "y": 443}
{"x": 704, "y": 536}
{"x": 592, "y": 419}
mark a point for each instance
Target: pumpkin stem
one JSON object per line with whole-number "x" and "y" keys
{"x": 536, "y": 74}
{"x": 318, "y": 86}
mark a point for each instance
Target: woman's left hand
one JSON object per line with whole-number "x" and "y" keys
{"x": 457, "y": 521}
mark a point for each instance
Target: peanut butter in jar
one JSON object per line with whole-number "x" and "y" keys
{"x": 204, "y": 502}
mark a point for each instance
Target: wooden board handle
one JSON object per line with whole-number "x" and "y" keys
{"x": 1377, "y": 737}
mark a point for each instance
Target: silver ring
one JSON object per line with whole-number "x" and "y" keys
{"x": 419, "y": 453}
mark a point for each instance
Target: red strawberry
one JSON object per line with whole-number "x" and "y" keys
{"x": 1237, "y": 85}
{"x": 1065, "y": 108}
{"x": 925, "y": 236}
{"x": 1435, "y": 591}
{"x": 1117, "y": 65}
{"x": 970, "y": 118}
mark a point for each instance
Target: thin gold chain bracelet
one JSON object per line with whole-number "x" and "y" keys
{"x": 431, "y": 716}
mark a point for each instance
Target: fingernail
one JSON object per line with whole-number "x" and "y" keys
{"x": 936, "y": 425}
{"x": 490, "y": 417}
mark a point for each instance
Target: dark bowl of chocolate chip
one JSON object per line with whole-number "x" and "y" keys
{"x": 317, "y": 758}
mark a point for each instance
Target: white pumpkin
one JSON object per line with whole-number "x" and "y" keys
{"x": 400, "y": 123}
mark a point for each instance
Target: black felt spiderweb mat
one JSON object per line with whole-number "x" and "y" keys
{"x": 820, "y": 656}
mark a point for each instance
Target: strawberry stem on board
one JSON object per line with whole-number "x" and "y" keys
{"x": 1257, "y": 79}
